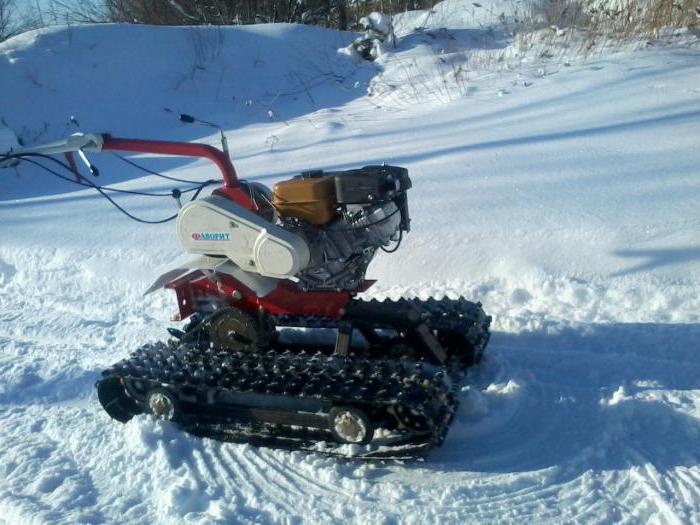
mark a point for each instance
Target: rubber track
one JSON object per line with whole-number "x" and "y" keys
{"x": 425, "y": 392}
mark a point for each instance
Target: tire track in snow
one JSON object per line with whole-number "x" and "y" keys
{"x": 228, "y": 467}
{"x": 295, "y": 468}
{"x": 288, "y": 471}
{"x": 646, "y": 480}
{"x": 229, "y": 481}
{"x": 44, "y": 479}
{"x": 688, "y": 483}
{"x": 267, "y": 483}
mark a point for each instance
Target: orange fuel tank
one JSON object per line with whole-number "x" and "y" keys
{"x": 311, "y": 198}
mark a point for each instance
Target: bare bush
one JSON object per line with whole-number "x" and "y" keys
{"x": 226, "y": 12}
{"x": 341, "y": 14}
{"x": 67, "y": 12}
{"x": 560, "y": 29}
{"x": 619, "y": 19}
{"x": 625, "y": 18}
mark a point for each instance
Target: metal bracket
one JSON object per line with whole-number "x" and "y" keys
{"x": 342, "y": 339}
{"x": 432, "y": 343}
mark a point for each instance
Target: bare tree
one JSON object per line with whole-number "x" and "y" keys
{"x": 7, "y": 26}
{"x": 15, "y": 20}
{"x": 67, "y": 12}
{"x": 331, "y": 13}
{"x": 340, "y": 14}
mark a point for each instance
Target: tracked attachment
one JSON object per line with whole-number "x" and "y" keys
{"x": 393, "y": 385}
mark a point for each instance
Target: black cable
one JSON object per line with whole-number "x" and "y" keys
{"x": 396, "y": 247}
{"x": 196, "y": 193}
{"x": 104, "y": 194}
{"x": 107, "y": 188}
{"x": 91, "y": 184}
{"x": 102, "y": 189}
{"x": 168, "y": 177}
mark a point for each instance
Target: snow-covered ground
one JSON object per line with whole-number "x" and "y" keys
{"x": 565, "y": 198}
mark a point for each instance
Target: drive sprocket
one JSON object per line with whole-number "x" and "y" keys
{"x": 236, "y": 330}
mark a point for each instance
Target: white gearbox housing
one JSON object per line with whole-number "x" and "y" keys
{"x": 219, "y": 227}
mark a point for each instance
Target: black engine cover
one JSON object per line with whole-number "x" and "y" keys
{"x": 370, "y": 184}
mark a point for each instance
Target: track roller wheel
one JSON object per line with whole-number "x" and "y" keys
{"x": 350, "y": 425}
{"x": 162, "y": 404}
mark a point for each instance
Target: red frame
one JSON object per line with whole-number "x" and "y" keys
{"x": 196, "y": 286}
{"x": 196, "y": 290}
{"x": 231, "y": 188}
{"x": 180, "y": 149}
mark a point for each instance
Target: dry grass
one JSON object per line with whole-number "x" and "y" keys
{"x": 563, "y": 29}
{"x": 616, "y": 19}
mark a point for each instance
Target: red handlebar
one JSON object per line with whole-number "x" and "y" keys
{"x": 182, "y": 149}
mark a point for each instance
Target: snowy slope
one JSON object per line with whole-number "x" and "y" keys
{"x": 564, "y": 198}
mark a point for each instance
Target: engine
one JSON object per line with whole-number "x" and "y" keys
{"x": 319, "y": 229}
{"x": 344, "y": 217}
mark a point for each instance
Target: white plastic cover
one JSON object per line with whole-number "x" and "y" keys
{"x": 217, "y": 226}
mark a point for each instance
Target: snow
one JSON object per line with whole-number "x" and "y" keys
{"x": 378, "y": 22}
{"x": 8, "y": 140}
{"x": 462, "y": 14}
{"x": 562, "y": 197}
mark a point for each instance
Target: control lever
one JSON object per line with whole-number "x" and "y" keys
{"x": 189, "y": 119}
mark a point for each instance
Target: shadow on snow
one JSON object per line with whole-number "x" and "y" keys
{"x": 603, "y": 397}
